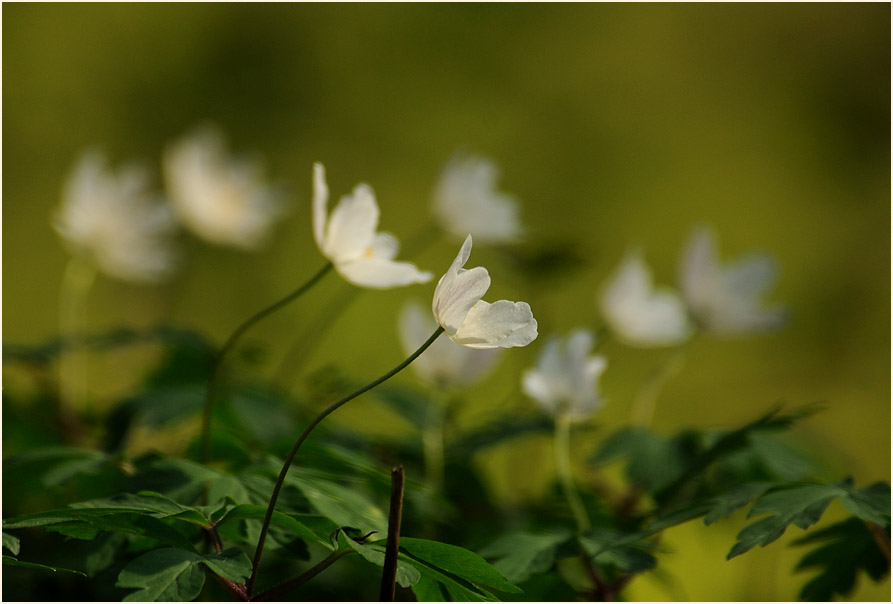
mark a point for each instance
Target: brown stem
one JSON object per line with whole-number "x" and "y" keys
{"x": 603, "y": 591}
{"x": 883, "y": 542}
{"x": 389, "y": 572}
{"x": 281, "y": 590}
{"x": 236, "y": 589}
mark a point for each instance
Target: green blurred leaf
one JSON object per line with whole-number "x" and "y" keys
{"x": 346, "y": 506}
{"x": 602, "y": 546}
{"x": 257, "y": 512}
{"x": 520, "y": 555}
{"x": 10, "y": 561}
{"x": 105, "y": 550}
{"x": 11, "y": 543}
{"x": 653, "y": 461}
{"x": 728, "y": 502}
{"x": 163, "y": 575}
{"x": 57, "y": 465}
{"x": 150, "y": 502}
{"x": 407, "y": 574}
{"x": 871, "y": 504}
{"x": 506, "y": 428}
{"x": 848, "y": 548}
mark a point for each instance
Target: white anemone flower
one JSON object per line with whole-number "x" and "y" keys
{"x": 115, "y": 221}
{"x": 348, "y": 238}
{"x": 565, "y": 379}
{"x": 470, "y": 321}
{"x": 445, "y": 363}
{"x": 223, "y": 200}
{"x": 640, "y": 314}
{"x": 727, "y": 299}
{"x": 466, "y": 201}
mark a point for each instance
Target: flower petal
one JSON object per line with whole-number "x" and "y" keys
{"x": 320, "y": 199}
{"x": 381, "y": 274}
{"x": 384, "y": 246}
{"x": 352, "y": 226}
{"x": 502, "y": 324}
{"x": 458, "y": 290}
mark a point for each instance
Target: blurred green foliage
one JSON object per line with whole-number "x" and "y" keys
{"x": 613, "y": 124}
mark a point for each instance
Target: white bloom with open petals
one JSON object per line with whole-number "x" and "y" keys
{"x": 445, "y": 363}
{"x": 466, "y": 201}
{"x": 727, "y": 299}
{"x": 221, "y": 199}
{"x": 565, "y": 380}
{"x": 470, "y": 321}
{"x": 348, "y": 238}
{"x": 640, "y": 314}
{"x": 114, "y": 220}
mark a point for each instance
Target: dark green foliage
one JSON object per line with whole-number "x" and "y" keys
{"x": 176, "y": 575}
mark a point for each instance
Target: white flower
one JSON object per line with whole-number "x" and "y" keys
{"x": 348, "y": 238}
{"x": 445, "y": 363}
{"x": 565, "y": 380}
{"x": 115, "y": 221}
{"x": 727, "y": 299}
{"x": 470, "y": 321}
{"x": 221, "y": 199}
{"x": 638, "y": 313}
{"x": 466, "y": 201}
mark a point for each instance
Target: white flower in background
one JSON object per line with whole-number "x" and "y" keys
{"x": 113, "y": 219}
{"x": 445, "y": 363}
{"x": 348, "y": 238}
{"x": 470, "y": 321}
{"x": 727, "y": 299}
{"x": 466, "y": 201}
{"x": 221, "y": 199}
{"x": 640, "y": 314}
{"x": 565, "y": 380}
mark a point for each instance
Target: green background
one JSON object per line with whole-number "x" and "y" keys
{"x": 615, "y": 125}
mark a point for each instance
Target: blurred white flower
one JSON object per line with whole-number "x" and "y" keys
{"x": 470, "y": 321}
{"x": 348, "y": 238}
{"x": 445, "y": 363}
{"x": 114, "y": 221}
{"x": 466, "y": 201}
{"x": 727, "y": 299}
{"x": 565, "y": 380}
{"x": 221, "y": 199}
{"x": 637, "y": 312}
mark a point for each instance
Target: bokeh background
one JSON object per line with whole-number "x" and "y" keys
{"x": 614, "y": 125}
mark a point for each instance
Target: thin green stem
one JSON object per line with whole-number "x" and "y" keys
{"x": 645, "y": 401}
{"x": 76, "y": 282}
{"x": 211, "y": 393}
{"x": 563, "y": 468}
{"x": 294, "y": 450}
{"x": 432, "y": 442}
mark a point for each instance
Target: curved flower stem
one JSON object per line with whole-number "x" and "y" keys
{"x": 294, "y": 450}
{"x": 231, "y": 342}
{"x": 645, "y": 400}
{"x": 563, "y": 468}
{"x": 76, "y": 282}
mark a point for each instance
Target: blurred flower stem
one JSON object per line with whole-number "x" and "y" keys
{"x": 76, "y": 282}
{"x": 432, "y": 440}
{"x": 563, "y": 469}
{"x": 230, "y": 343}
{"x": 645, "y": 400}
{"x": 258, "y": 552}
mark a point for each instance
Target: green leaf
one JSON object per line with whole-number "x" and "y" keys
{"x": 163, "y": 575}
{"x": 458, "y": 561}
{"x": 57, "y": 465}
{"x": 802, "y": 505}
{"x": 427, "y": 589}
{"x": 150, "y": 502}
{"x": 105, "y": 550}
{"x": 871, "y": 504}
{"x": 346, "y": 506}
{"x": 494, "y": 433}
{"x": 728, "y": 502}
{"x": 407, "y": 575}
{"x": 11, "y": 543}
{"x": 10, "y": 561}
{"x": 232, "y": 564}
{"x": 520, "y": 555}
{"x": 257, "y": 512}
{"x": 849, "y": 547}
{"x": 602, "y": 545}
{"x": 653, "y": 461}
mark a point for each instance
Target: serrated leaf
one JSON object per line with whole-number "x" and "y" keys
{"x": 849, "y": 547}
{"x": 104, "y": 551}
{"x": 347, "y": 507}
{"x": 602, "y": 547}
{"x": 11, "y": 543}
{"x": 653, "y": 461}
{"x": 458, "y": 561}
{"x": 520, "y": 555}
{"x": 163, "y": 575}
{"x": 10, "y": 561}
{"x": 730, "y": 501}
{"x": 149, "y": 502}
{"x": 871, "y": 504}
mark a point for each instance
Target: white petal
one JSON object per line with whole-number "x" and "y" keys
{"x": 381, "y": 274}
{"x": 384, "y": 246}
{"x": 536, "y": 384}
{"x": 458, "y": 290}
{"x": 320, "y": 199}
{"x": 699, "y": 273}
{"x": 352, "y": 226}
{"x": 502, "y": 324}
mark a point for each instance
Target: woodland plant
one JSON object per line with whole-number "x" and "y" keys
{"x": 264, "y": 471}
